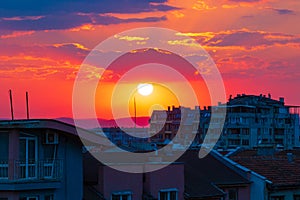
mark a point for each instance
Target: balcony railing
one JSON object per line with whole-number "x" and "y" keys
{"x": 3, "y": 170}
{"x": 31, "y": 170}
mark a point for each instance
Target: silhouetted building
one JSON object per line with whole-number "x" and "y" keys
{"x": 104, "y": 182}
{"x": 164, "y": 125}
{"x": 188, "y": 178}
{"x": 209, "y": 178}
{"x": 252, "y": 120}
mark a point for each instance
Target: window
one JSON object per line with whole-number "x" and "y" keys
{"x": 234, "y": 142}
{"x": 245, "y": 142}
{"x": 3, "y": 155}
{"x": 27, "y": 166}
{"x": 121, "y": 195}
{"x": 29, "y": 198}
{"x": 49, "y": 197}
{"x": 245, "y": 131}
{"x": 297, "y": 197}
{"x": 168, "y": 194}
{"x": 233, "y": 194}
{"x": 277, "y": 198}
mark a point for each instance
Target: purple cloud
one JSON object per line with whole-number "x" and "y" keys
{"x": 284, "y": 11}
{"x": 66, "y": 14}
{"x": 68, "y": 21}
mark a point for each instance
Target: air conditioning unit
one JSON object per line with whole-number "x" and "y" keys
{"x": 51, "y": 138}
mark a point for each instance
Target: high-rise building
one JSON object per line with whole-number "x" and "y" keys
{"x": 250, "y": 120}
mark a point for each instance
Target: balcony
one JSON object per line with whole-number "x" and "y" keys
{"x": 32, "y": 171}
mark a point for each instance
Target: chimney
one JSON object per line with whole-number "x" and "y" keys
{"x": 290, "y": 157}
{"x": 281, "y": 99}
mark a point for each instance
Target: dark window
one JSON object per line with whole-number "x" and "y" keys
{"x": 245, "y": 142}
{"x": 234, "y": 142}
{"x": 49, "y": 197}
{"x": 29, "y": 198}
{"x": 121, "y": 196}
{"x": 297, "y": 197}
{"x": 3, "y": 155}
{"x": 233, "y": 194}
{"x": 3, "y": 146}
{"x": 168, "y": 195}
{"x": 277, "y": 198}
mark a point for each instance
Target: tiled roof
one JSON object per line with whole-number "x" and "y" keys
{"x": 276, "y": 168}
{"x": 203, "y": 176}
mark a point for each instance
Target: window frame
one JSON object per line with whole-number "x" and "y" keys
{"x": 278, "y": 197}
{"x": 121, "y": 193}
{"x": 168, "y": 191}
{"x": 233, "y": 190}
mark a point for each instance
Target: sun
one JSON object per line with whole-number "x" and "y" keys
{"x": 145, "y": 89}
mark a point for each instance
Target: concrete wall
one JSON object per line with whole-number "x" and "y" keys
{"x": 258, "y": 187}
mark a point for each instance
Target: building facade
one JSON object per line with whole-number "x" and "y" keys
{"x": 40, "y": 160}
{"x": 180, "y": 121}
{"x": 250, "y": 120}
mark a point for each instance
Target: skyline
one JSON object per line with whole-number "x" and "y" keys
{"x": 254, "y": 43}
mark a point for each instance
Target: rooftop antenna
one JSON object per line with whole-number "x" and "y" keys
{"x": 11, "y": 105}
{"x": 27, "y": 106}
{"x": 134, "y": 104}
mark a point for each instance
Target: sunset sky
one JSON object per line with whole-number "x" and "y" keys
{"x": 254, "y": 43}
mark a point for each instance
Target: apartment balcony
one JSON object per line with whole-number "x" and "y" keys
{"x": 31, "y": 171}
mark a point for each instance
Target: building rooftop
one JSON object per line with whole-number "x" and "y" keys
{"x": 281, "y": 168}
{"x": 65, "y": 128}
{"x": 205, "y": 177}
{"x": 243, "y": 99}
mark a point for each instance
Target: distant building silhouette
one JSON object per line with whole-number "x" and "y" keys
{"x": 164, "y": 125}
{"x": 251, "y": 120}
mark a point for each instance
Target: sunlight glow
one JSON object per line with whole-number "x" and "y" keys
{"x": 145, "y": 89}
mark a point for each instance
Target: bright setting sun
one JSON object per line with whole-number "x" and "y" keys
{"x": 145, "y": 89}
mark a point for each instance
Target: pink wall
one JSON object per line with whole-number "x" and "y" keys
{"x": 111, "y": 180}
{"x": 166, "y": 178}
{"x": 9, "y": 195}
{"x": 116, "y": 181}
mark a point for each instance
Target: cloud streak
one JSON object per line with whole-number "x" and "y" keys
{"x": 68, "y": 21}
{"x": 244, "y": 39}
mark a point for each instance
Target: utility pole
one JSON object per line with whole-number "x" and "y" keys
{"x": 11, "y": 105}
{"x": 27, "y": 106}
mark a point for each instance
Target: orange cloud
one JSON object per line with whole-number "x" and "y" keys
{"x": 77, "y": 45}
{"x": 16, "y": 34}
